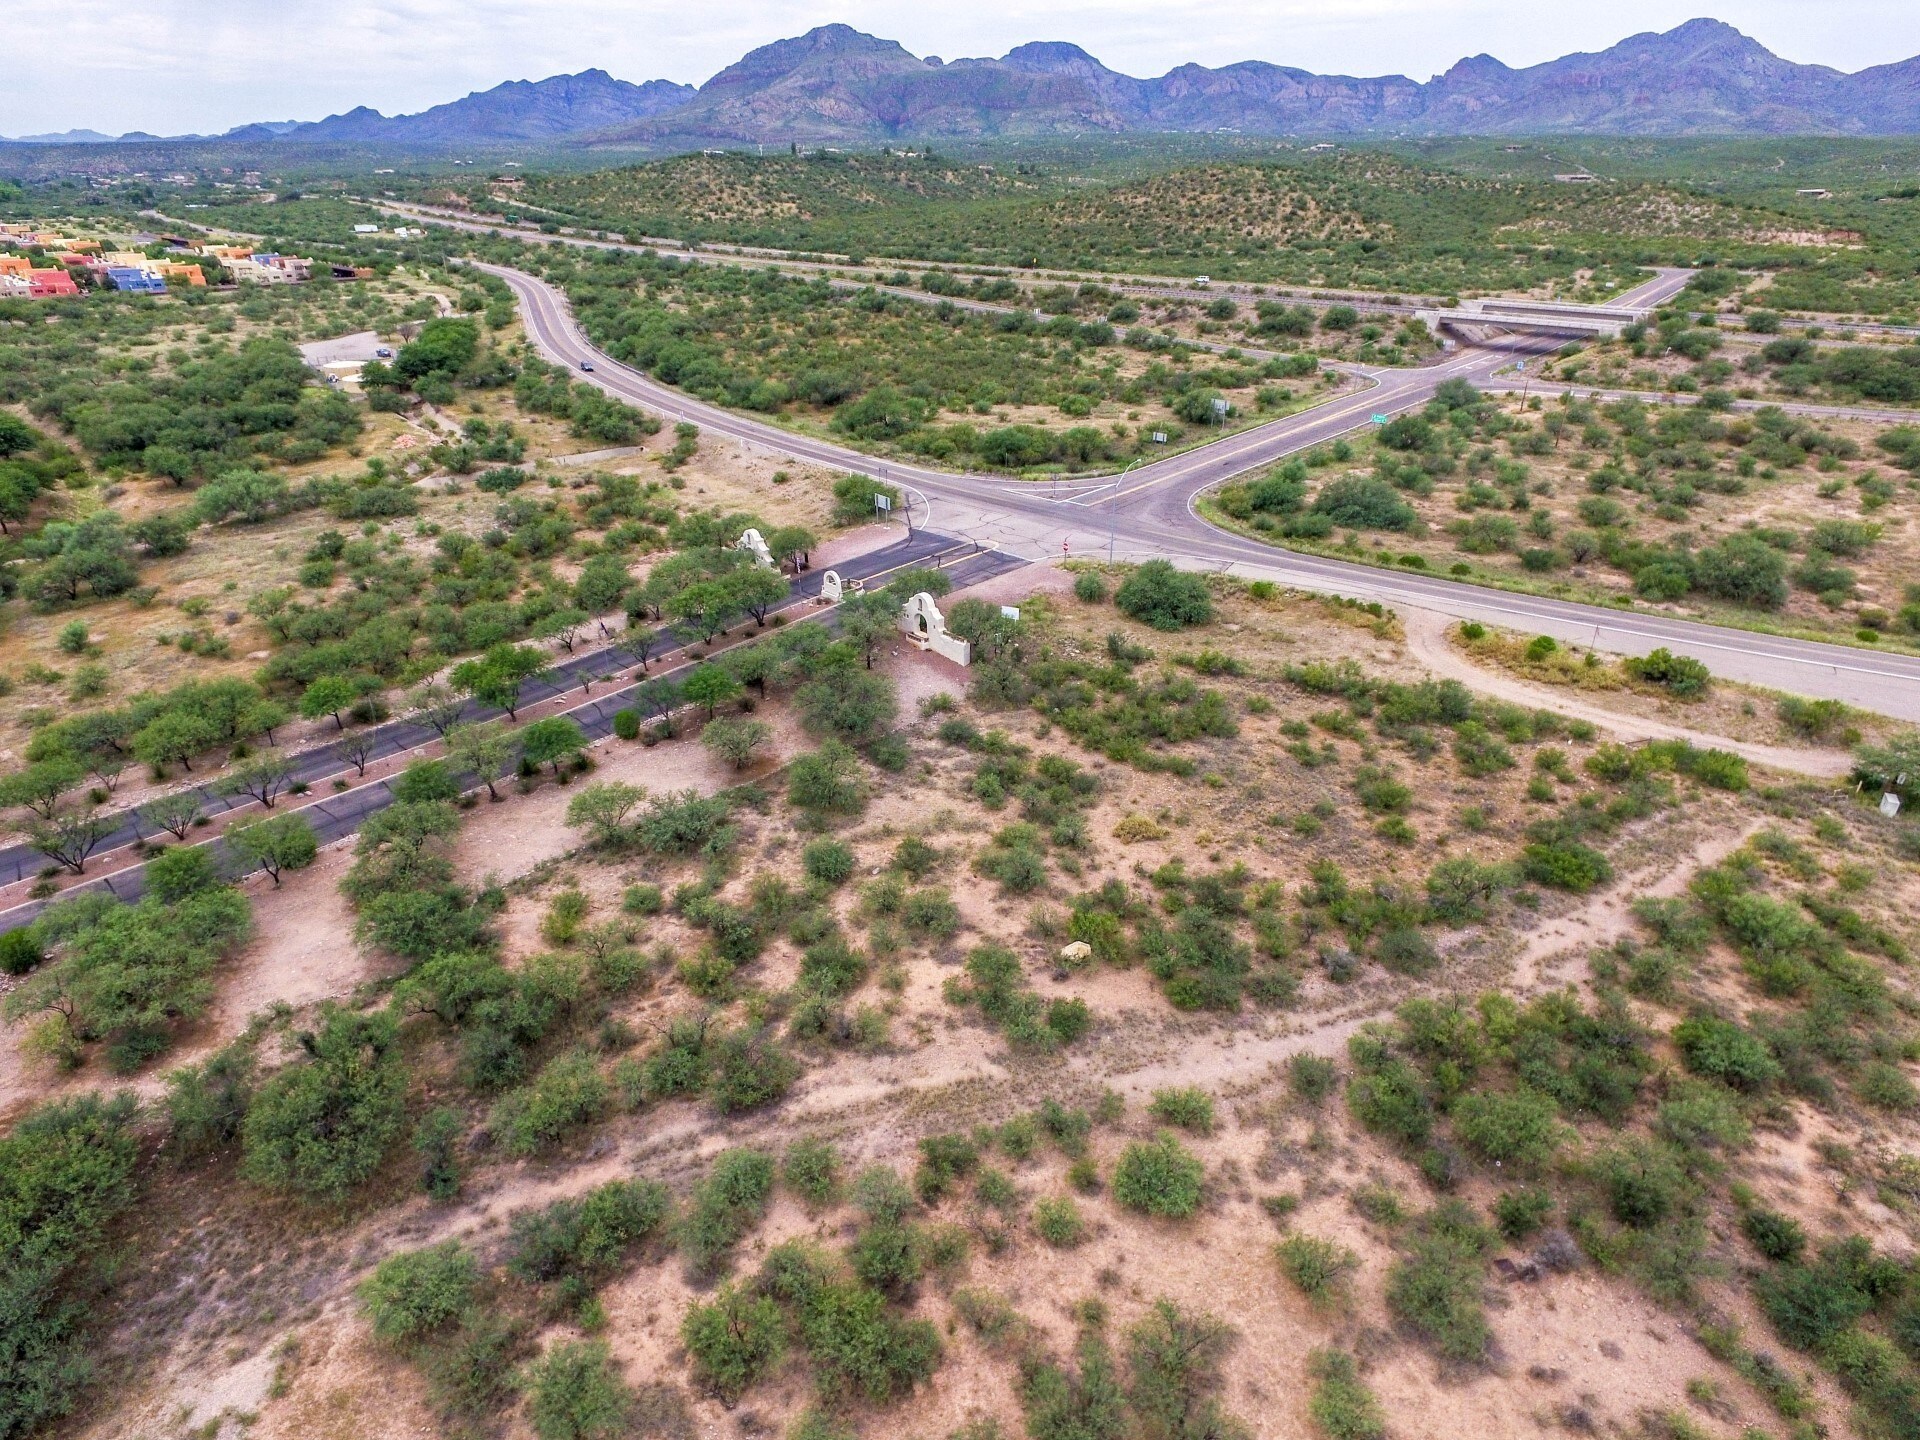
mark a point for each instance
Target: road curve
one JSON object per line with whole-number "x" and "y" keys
{"x": 1152, "y": 512}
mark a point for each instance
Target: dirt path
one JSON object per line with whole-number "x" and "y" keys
{"x": 1428, "y": 643}
{"x": 1609, "y": 916}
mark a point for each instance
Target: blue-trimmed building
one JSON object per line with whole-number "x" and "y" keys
{"x": 125, "y": 277}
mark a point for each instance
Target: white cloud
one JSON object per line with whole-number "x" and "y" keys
{"x": 183, "y": 66}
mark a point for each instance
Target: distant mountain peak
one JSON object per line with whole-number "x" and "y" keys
{"x": 1052, "y": 57}
{"x": 835, "y": 84}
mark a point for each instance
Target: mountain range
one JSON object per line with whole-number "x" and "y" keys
{"x": 836, "y": 84}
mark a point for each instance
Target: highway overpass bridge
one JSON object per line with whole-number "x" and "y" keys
{"x": 1477, "y": 321}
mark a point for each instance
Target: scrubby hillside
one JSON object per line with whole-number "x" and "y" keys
{"x": 1224, "y": 1028}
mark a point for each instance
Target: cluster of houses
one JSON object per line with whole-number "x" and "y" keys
{"x": 37, "y": 263}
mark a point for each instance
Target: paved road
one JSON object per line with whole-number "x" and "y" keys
{"x": 346, "y": 757}
{"x": 1152, "y": 512}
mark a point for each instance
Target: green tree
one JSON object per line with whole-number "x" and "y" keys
{"x": 550, "y": 741}
{"x": 736, "y": 741}
{"x": 263, "y": 778}
{"x": 70, "y": 838}
{"x": 483, "y": 750}
{"x": 416, "y": 1294}
{"x": 828, "y": 779}
{"x": 852, "y": 705}
{"x": 495, "y": 678}
{"x": 328, "y": 695}
{"x": 791, "y": 544}
{"x": 603, "y": 810}
{"x": 436, "y": 707}
{"x": 285, "y": 842}
{"x": 711, "y": 686}
{"x": 443, "y": 347}
{"x": 575, "y": 1393}
{"x": 175, "y": 737}
{"x": 756, "y": 590}
{"x": 734, "y": 1339}
{"x": 706, "y": 607}
{"x": 321, "y": 1127}
{"x": 38, "y": 788}
{"x": 67, "y": 1171}
{"x": 175, "y": 813}
{"x": 869, "y": 622}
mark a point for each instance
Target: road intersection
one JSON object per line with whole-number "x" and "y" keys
{"x": 1153, "y": 512}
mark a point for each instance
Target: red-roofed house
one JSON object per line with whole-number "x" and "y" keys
{"x": 42, "y": 283}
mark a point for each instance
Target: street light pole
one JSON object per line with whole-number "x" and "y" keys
{"x": 1113, "y": 499}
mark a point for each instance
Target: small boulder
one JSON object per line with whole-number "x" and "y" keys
{"x": 1077, "y": 952}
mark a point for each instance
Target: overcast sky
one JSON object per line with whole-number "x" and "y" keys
{"x": 179, "y": 66}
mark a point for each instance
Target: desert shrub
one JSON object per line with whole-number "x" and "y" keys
{"x": 997, "y": 984}
{"x": 1064, "y": 1404}
{"x": 724, "y": 1206}
{"x": 734, "y": 1339}
{"x": 1434, "y": 1289}
{"x": 1886, "y": 1086}
{"x": 1723, "y": 1051}
{"x": 1160, "y": 1177}
{"x": 1811, "y": 1302}
{"x": 1565, "y": 865}
{"x": 1364, "y": 502}
{"x": 1519, "y": 1128}
{"x": 1643, "y": 1183}
{"x": 1174, "y": 1357}
{"x": 1389, "y": 1098}
{"x": 1156, "y": 594}
{"x": 811, "y": 1169}
{"x": 579, "y": 1242}
{"x": 890, "y": 1256}
{"x": 1312, "y": 1077}
{"x": 1679, "y": 675}
{"x": 1188, "y": 1107}
{"x": 1057, "y": 1220}
{"x": 858, "y": 1348}
{"x": 1778, "y": 1237}
{"x": 575, "y": 1393}
{"x": 322, "y": 1126}
{"x": 1090, "y": 586}
{"x": 66, "y": 1172}
{"x": 829, "y": 861}
{"x": 1318, "y": 1268}
{"x": 1342, "y": 1406}
{"x": 1519, "y": 1213}
{"x": 416, "y": 1293}
{"x": 1700, "y": 1116}
{"x": 1405, "y": 951}
{"x": 750, "y": 1069}
{"x": 569, "y": 1092}
{"x": 206, "y": 1103}
{"x": 1745, "y": 570}
{"x": 21, "y": 950}
{"x": 945, "y": 1160}
{"x": 930, "y": 913}
{"x": 474, "y": 1372}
